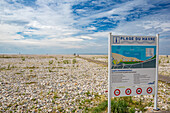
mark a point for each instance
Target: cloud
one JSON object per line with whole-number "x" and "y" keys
{"x": 91, "y": 28}
{"x": 47, "y": 21}
{"x": 148, "y": 25}
{"x": 82, "y": 24}
{"x": 86, "y": 37}
{"x": 121, "y": 10}
{"x": 8, "y": 32}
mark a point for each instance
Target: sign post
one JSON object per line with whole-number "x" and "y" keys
{"x": 132, "y": 66}
{"x": 109, "y": 77}
{"x": 156, "y": 79}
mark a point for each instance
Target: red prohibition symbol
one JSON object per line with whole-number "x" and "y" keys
{"x": 149, "y": 90}
{"x": 117, "y": 92}
{"x": 128, "y": 91}
{"x": 138, "y": 90}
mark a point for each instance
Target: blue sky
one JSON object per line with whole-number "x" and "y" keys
{"x": 79, "y": 26}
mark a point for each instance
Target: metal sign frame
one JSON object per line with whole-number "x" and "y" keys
{"x": 145, "y": 92}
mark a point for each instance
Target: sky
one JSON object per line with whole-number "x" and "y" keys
{"x": 79, "y": 26}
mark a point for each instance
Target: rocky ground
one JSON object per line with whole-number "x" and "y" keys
{"x": 164, "y": 65}
{"x": 58, "y": 84}
{"x": 50, "y": 84}
{"x": 102, "y": 58}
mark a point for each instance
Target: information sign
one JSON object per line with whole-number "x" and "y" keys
{"x": 132, "y": 66}
{"x": 133, "y": 62}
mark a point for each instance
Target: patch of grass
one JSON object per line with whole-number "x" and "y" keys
{"x": 51, "y": 62}
{"x": 150, "y": 104}
{"x": 59, "y": 108}
{"x": 30, "y": 82}
{"x": 9, "y": 105}
{"x": 66, "y": 62}
{"x": 53, "y": 101}
{"x": 131, "y": 110}
{"x": 101, "y": 107}
{"x": 87, "y": 100}
{"x": 33, "y": 67}
{"x": 33, "y": 99}
{"x": 33, "y": 107}
{"x": 74, "y": 61}
{"x": 9, "y": 66}
{"x": 120, "y": 105}
{"x": 18, "y": 73}
{"x": 59, "y": 67}
{"x": 50, "y": 70}
{"x": 87, "y": 93}
{"x": 13, "y": 66}
{"x": 23, "y": 58}
{"x": 55, "y": 95}
{"x": 31, "y": 70}
{"x": 3, "y": 56}
{"x": 74, "y": 110}
{"x": 3, "y": 68}
{"x": 17, "y": 89}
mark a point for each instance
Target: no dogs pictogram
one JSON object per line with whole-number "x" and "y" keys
{"x": 138, "y": 90}
{"x": 149, "y": 90}
{"x": 117, "y": 92}
{"x": 128, "y": 91}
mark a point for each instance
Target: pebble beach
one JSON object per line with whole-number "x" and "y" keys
{"x": 57, "y": 84}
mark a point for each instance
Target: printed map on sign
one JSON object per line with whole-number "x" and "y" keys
{"x": 133, "y": 56}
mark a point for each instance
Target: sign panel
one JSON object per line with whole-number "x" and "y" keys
{"x": 133, "y": 64}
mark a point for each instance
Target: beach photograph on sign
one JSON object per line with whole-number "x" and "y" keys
{"x": 133, "y": 56}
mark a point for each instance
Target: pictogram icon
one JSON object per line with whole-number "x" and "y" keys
{"x": 117, "y": 92}
{"x": 138, "y": 90}
{"x": 128, "y": 91}
{"x": 149, "y": 90}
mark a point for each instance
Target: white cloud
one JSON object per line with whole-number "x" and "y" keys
{"x": 121, "y": 9}
{"x": 57, "y": 25}
{"x": 52, "y": 22}
{"x": 8, "y": 32}
{"x": 86, "y": 37}
{"x": 100, "y": 34}
{"x": 148, "y": 25}
{"x": 91, "y": 28}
